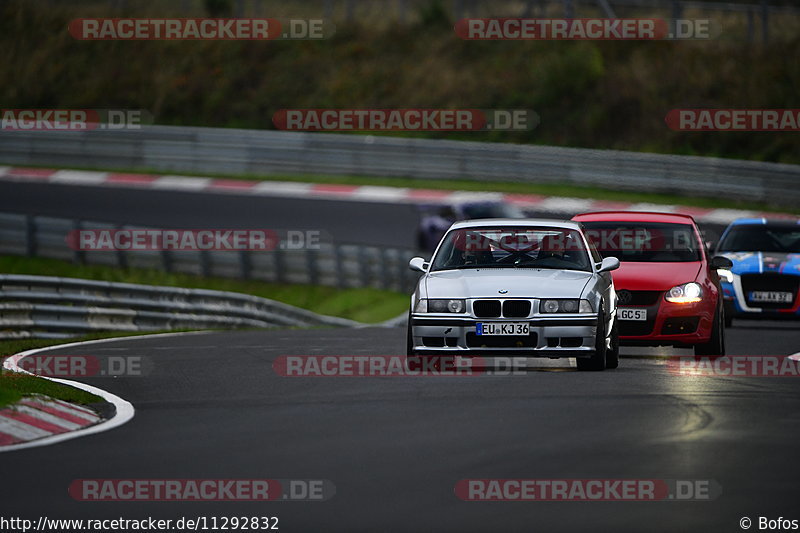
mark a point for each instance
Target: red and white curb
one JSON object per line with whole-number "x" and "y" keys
{"x": 39, "y": 416}
{"x": 366, "y": 193}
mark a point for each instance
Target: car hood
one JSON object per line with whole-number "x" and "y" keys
{"x": 519, "y": 282}
{"x": 760, "y": 262}
{"x": 643, "y": 276}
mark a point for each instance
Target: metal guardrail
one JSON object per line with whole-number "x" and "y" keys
{"x": 330, "y": 264}
{"x": 232, "y": 151}
{"x": 52, "y": 307}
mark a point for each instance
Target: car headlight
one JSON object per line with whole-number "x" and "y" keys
{"x": 685, "y": 294}
{"x": 725, "y": 275}
{"x": 441, "y": 306}
{"x": 565, "y": 306}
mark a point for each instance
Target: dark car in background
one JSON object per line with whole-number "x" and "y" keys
{"x": 436, "y": 219}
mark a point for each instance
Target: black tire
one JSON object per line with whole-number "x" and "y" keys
{"x": 728, "y": 313}
{"x": 715, "y": 347}
{"x": 409, "y": 340}
{"x": 597, "y": 361}
{"x": 612, "y": 355}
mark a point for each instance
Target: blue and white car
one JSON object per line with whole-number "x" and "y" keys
{"x": 765, "y": 278}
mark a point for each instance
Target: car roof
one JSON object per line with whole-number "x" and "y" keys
{"x": 517, "y": 222}
{"x": 765, "y": 222}
{"x": 634, "y": 216}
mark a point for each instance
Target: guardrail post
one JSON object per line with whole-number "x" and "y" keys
{"x": 363, "y": 267}
{"x": 30, "y": 235}
{"x": 677, "y": 12}
{"x": 245, "y": 265}
{"x": 205, "y": 263}
{"x": 313, "y": 266}
{"x": 122, "y": 259}
{"x": 338, "y": 266}
{"x": 280, "y": 267}
{"x": 78, "y": 255}
{"x": 166, "y": 260}
{"x": 569, "y": 9}
{"x": 384, "y": 266}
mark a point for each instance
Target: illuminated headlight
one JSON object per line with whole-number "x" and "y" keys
{"x": 565, "y": 306}
{"x": 685, "y": 294}
{"x": 441, "y": 306}
{"x": 725, "y": 275}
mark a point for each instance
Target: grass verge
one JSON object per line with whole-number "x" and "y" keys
{"x": 14, "y": 386}
{"x": 364, "y": 305}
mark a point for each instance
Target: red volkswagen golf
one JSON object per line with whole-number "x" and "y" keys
{"x": 667, "y": 287}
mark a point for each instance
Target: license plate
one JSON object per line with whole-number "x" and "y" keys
{"x": 632, "y": 314}
{"x": 771, "y": 296}
{"x": 502, "y": 328}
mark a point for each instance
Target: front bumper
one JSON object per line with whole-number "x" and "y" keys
{"x": 736, "y": 303}
{"x": 670, "y": 324}
{"x": 563, "y": 335}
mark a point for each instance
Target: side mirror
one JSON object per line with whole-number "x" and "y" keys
{"x": 609, "y": 264}
{"x": 418, "y": 264}
{"x": 720, "y": 261}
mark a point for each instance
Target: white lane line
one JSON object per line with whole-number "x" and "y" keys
{"x": 79, "y": 177}
{"x": 281, "y": 188}
{"x": 475, "y": 196}
{"x": 181, "y": 183}
{"x": 564, "y": 204}
{"x": 47, "y": 417}
{"x": 380, "y": 194}
{"x": 659, "y": 208}
{"x": 125, "y": 410}
{"x": 725, "y": 216}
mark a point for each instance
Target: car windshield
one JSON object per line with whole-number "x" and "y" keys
{"x": 513, "y": 247}
{"x": 473, "y": 211}
{"x": 762, "y": 238}
{"x": 645, "y": 241}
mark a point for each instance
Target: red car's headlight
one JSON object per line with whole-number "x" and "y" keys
{"x": 685, "y": 294}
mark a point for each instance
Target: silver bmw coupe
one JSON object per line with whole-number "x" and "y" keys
{"x": 511, "y": 287}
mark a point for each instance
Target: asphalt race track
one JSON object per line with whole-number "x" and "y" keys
{"x": 352, "y": 222}
{"x": 344, "y": 221}
{"x": 213, "y": 407}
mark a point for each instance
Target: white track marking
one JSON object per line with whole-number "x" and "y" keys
{"x": 125, "y": 410}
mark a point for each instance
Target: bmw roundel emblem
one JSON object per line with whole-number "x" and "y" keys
{"x": 503, "y": 291}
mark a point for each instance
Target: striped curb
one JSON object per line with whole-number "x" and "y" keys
{"x": 39, "y": 416}
{"x": 365, "y": 193}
